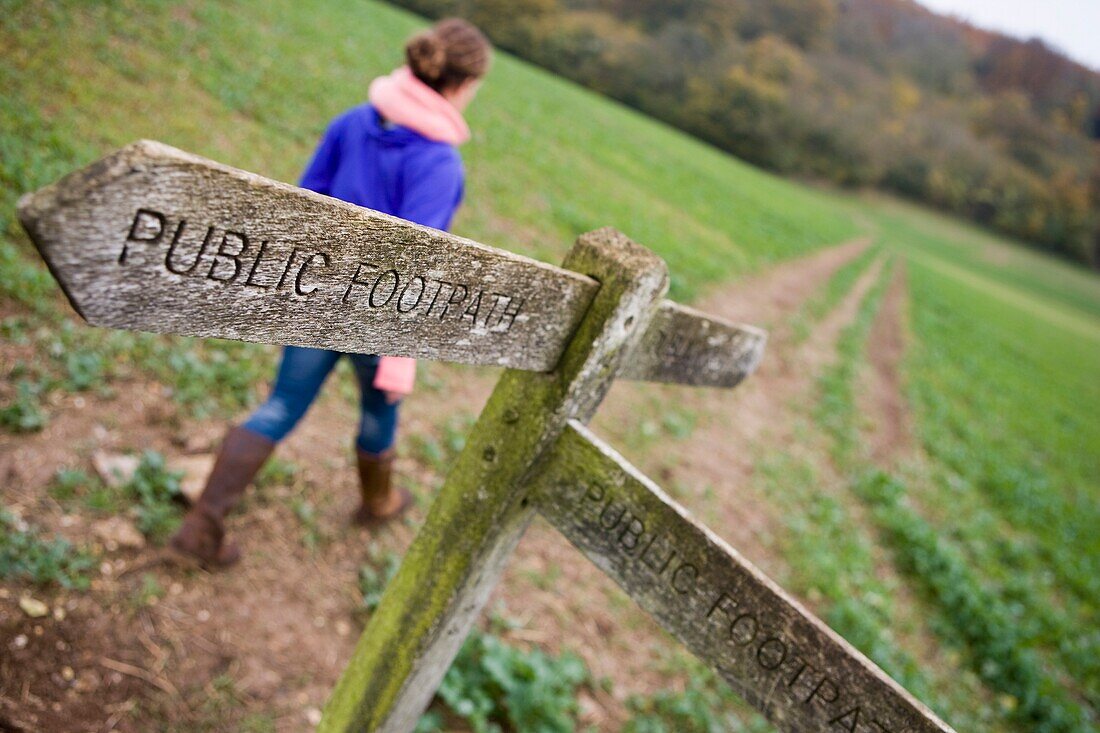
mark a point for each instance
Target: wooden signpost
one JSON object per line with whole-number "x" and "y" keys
{"x": 155, "y": 239}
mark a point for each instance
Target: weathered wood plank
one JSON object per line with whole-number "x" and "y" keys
{"x": 772, "y": 651}
{"x": 685, "y": 346}
{"x": 155, "y": 239}
{"x": 480, "y": 512}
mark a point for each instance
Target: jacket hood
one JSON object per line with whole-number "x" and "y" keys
{"x": 405, "y": 100}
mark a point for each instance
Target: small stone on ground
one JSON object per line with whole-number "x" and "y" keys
{"x": 117, "y": 532}
{"x": 116, "y": 469}
{"x": 195, "y": 469}
{"x": 33, "y": 607}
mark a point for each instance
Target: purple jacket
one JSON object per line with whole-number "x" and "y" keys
{"x": 387, "y": 168}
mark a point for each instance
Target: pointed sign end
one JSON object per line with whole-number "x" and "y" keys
{"x": 36, "y": 210}
{"x": 74, "y": 187}
{"x": 32, "y": 207}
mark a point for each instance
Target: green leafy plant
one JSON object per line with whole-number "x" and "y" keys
{"x": 306, "y": 512}
{"x": 276, "y": 472}
{"x": 439, "y": 453}
{"x": 24, "y": 413}
{"x": 24, "y": 555}
{"x": 83, "y": 369}
{"x": 972, "y": 616}
{"x": 69, "y": 482}
{"x": 156, "y": 491}
{"x": 149, "y": 592}
{"x": 679, "y": 423}
{"x": 497, "y": 687}
{"x": 376, "y": 574}
{"x": 76, "y": 484}
{"x": 15, "y": 329}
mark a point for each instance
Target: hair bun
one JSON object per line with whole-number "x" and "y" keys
{"x": 427, "y": 56}
{"x": 450, "y": 53}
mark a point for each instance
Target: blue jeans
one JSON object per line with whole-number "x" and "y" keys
{"x": 301, "y": 374}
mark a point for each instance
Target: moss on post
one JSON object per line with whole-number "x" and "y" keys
{"x": 481, "y": 510}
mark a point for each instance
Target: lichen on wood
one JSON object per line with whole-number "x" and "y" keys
{"x": 481, "y": 511}
{"x": 770, "y": 649}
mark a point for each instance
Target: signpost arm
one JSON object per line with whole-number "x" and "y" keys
{"x": 785, "y": 662}
{"x": 152, "y": 238}
{"x": 481, "y": 510}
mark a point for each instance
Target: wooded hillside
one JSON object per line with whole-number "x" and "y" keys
{"x": 859, "y": 92}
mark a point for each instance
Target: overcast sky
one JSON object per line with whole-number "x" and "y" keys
{"x": 1070, "y": 25}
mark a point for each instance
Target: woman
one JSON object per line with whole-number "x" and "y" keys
{"x": 397, "y": 154}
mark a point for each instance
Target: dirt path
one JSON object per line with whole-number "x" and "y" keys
{"x": 281, "y": 626}
{"x": 616, "y": 639}
{"x": 780, "y": 291}
{"x": 762, "y": 417}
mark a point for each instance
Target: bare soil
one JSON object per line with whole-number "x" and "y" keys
{"x": 270, "y": 637}
{"x": 716, "y": 463}
{"x": 883, "y": 399}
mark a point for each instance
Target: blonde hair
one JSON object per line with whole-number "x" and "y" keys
{"x": 448, "y": 54}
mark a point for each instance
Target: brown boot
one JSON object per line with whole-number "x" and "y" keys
{"x": 202, "y": 535}
{"x": 380, "y": 500}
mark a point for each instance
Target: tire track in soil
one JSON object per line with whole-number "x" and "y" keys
{"x": 888, "y": 442}
{"x": 890, "y": 437}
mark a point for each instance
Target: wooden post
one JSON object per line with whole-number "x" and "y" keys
{"x": 481, "y": 511}
{"x": 153, "y": 238}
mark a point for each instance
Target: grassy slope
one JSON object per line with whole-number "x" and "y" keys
{"x": 1003, "y": 364}
{"x": 252, "y": 85}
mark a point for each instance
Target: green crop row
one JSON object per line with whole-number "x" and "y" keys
{"x": 839, "y": 285}
{"x": 836, "y": 406}
{"x": 833, "y": 556}
{"x": 970, "y": 614}
{"x": 1006, "y": 414}
{"x": 1007, "y": 407}
{"x": 25, "y": 555}
{"x": 1008, "y": 264}
{"x": 1011, "y": 631}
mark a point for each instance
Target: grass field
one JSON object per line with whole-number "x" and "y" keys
{"x": 969, "y": 568}
{"x": 253, "y": 86}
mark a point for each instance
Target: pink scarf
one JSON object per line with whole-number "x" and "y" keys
{"x": 405, "y": 100}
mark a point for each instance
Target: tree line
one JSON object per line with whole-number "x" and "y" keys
{"x": 862, "y": 93}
